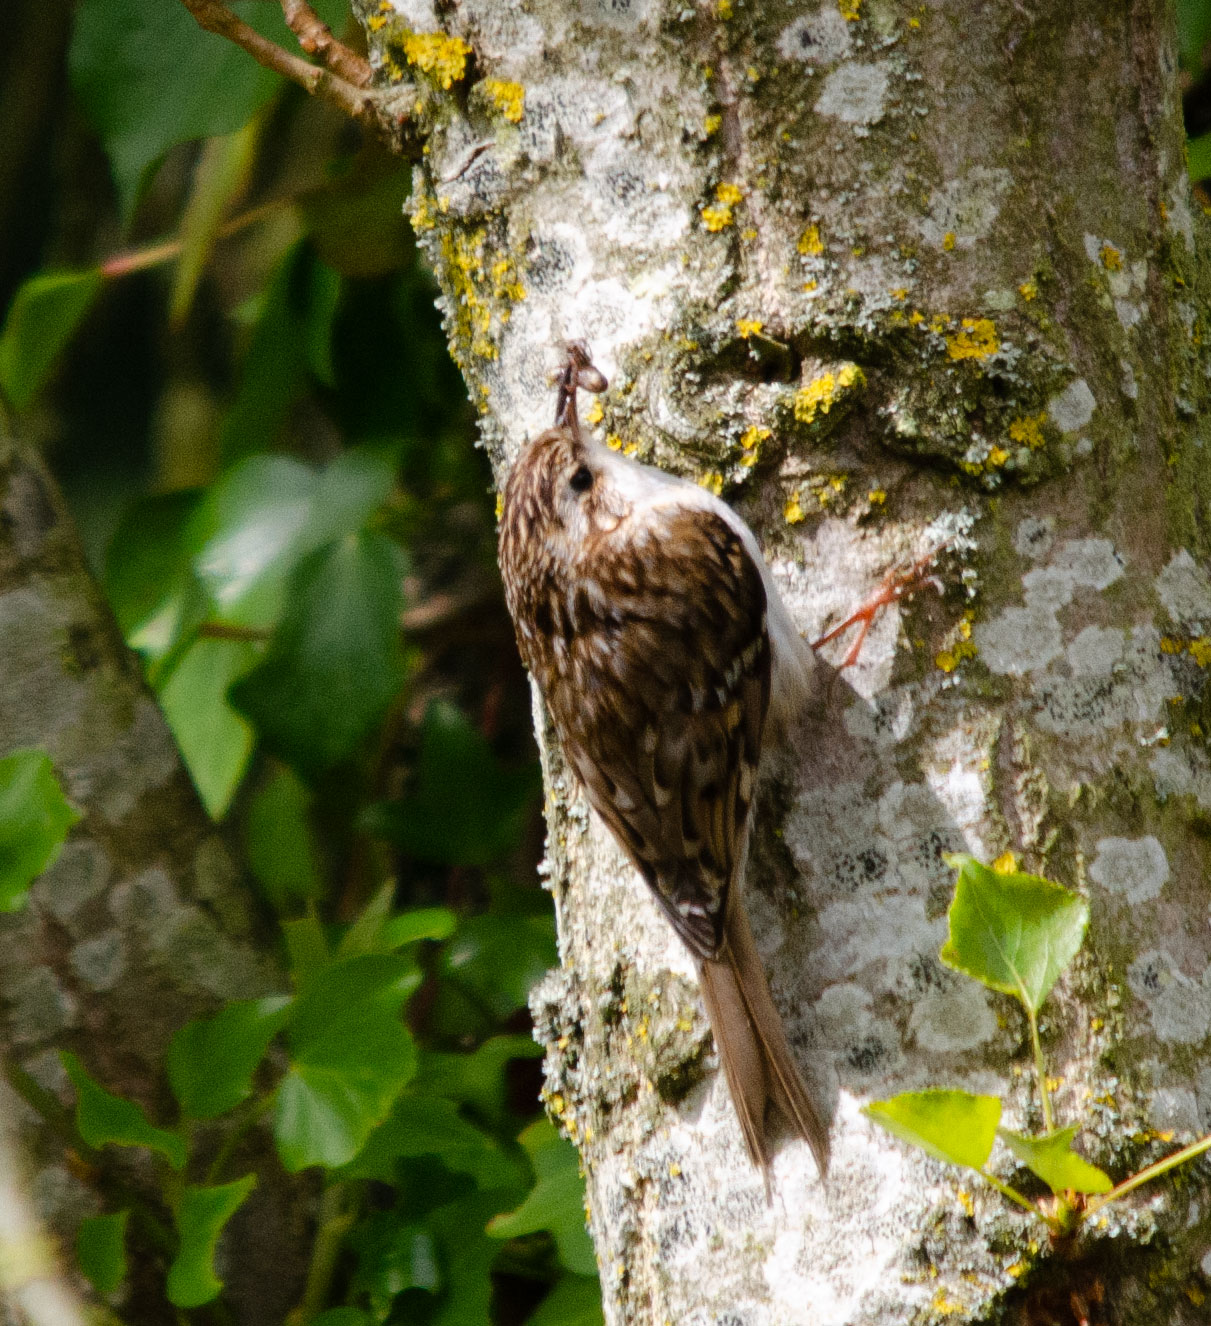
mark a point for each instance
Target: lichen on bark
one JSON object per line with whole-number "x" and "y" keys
{"x": 872, "y": 270}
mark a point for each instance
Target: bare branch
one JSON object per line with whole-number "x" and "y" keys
{"x": 315, "y": 37}
{"x": 387, "y": 114}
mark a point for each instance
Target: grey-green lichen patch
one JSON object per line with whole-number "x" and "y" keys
{"x": 963, "y": 211}
{"x": 1034, "y": 536}
{"x": 855, "y": 93}
{"x": 1178, "y": 1005}
{"x": 818, "y": 38}
{"x": 40, "y": 1007}
{"x": 952, "y": 1020}
{"x": 79, "y": 875}
{"x": 100, "y": 963}
{"x": 1135, "y": 868}
{"x": 1073, "y": 407}
{"x": 1185, "y": 590}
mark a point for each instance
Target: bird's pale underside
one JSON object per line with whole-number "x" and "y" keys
{"x": 645, "y": 611}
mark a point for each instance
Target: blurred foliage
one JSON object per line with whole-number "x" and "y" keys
{"x": 1194, "y": 53}
{"x": 219, "y": 331}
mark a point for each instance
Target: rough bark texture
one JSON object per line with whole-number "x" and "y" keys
{"x": 874, "y": 269}
{"x": 140, "y": 925}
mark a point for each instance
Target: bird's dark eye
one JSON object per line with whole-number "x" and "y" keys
{"x": 582, "y": 480}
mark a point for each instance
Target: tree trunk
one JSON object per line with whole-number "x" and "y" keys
{"x": 880, "y": 272}
{"x": 140, "y": 925}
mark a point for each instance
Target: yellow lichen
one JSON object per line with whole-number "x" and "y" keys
{"x": 508, "y": 98}
{"x": 718, "y": 215}
{"x": 821, "y": 394}
{"x": 1200, "y": 651}
{"x": 900, "y": 293}
{"x": 948, "y": 240}
{"x": 1112, "y": 259}
{"x": 1171, "y": 646}
{"x": 711, "y": 124}
{"x": 809, "y": 242}
{"x": 1006, "y": 864}
{"x": 752, "y": 436}
{"x": 437, "y": 54}
{"x": 724, "y": 9}
{"x": 749, "y": 327}
{"x": 976, "y": 340}
{"x": 914, "y": 22}
{"x": 996, "y": 458}
{"x": 500, "y": 505}
{"x": 594, "y": 413}
{"x": 1027, "y": 430}
{"x": 949, "y": 659}
{"x": 793, "y": 512}
{"x": 478, "y": 289}
{"x": 876, "y": 497}
{"x": 712, "y": 481}
{"x": 674, "y": 1170}
{"x": 1028, "y": 290}
{"x": 614, "y": 442}
{"x": 809, "y": 286}
{"x": 851, "y": 10}
{"x": 729, "y": 194}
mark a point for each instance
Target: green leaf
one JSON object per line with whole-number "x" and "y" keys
{"x": 467, "y": 1258}
{"x": 429, "y": 1126}
{"x": 43, "y": 317}
{"x": 556, "y": 1202}
{"x": 148, "y": 576}
{"x": 575, "y": 1301}
{"x": 356, "y": 222}
{"x": 393, "y": 1256}
{"x": 201, "y": 1215}
{"x": 1198, "y": 157}
{"x": 954, "y": 1126}
{"x": 292, "y": 338}
{"x": 306, "y": 946}
{"x": 281, "y": 845}
{"x": 350, "y": 1059}
{"x": 1015, "y": 933}
{"x": 249, "y": 533}
{"x": 126, "y": 64}
{"x": 377, "y": 931}
{"x": 104, "y": 1119}
{"x": 1051, "y": 1157}
{"x": 477, "y": 1079}
{"x": 214, "y": 740}
{"x": 336, "y": 661}
{"x": 342, "y": 1317}
{"x": 456, "y": 769}
{"x": 101, "y": 1250}
{"x": 500, "y": 958}
{"x": 35, "y": 818}
{"x": 1193, "y": 32}
{"x": 211, "y": 1060}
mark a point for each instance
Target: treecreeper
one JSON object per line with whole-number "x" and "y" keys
{"x": 667, "y": 661}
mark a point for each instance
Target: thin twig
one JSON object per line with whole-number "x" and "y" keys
{"x": 315, "y": 37}
{"x": 387, "y": 114}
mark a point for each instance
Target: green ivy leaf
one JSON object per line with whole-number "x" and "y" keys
{"x": 125, "y": 63}
{"x": 457, "y": 768}
{"x": 101, "y": 1250}
{"x": 35, "y": 818}
{"x": 575, "y": 1301}
{"x": 336, "y": 661}
{"x": 477, "y": 1079}
{"x": 43, "y": 317}
{"x": 467, "y": 1259}
{"x": 211, "y": 1060}
{"x": 104, "y": 1119}
{"x": 350, "y": 1059}
{"x": 1198, "y": 156}
{"x": 501, "y": 957}
{"x": 1052, "y": 1158}
{"x": 556, "y": 1202}
{"x": 428, "y": 1126}
{"x": 201, "y": 1215}
{"x": 954, "y": 1126}
{"x": 1015, "y": 933}
{"x": 393, "y": 1256}
{"x": 214, "y": 740}
{"x": 341, "y": 1317}
{"x": 306, "y": 947}
{"x": 376, "y": 930}
{"x": 282, "y": 850}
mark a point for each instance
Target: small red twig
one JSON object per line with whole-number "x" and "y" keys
{"x": 315, "y": 37}
{"x": 894, "y": 585}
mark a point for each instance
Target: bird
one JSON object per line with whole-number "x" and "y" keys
{"x": 668, "y": 662}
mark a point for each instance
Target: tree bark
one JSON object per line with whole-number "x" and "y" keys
{"x": 141, "y": 924}
{"x": 879, "y": 271}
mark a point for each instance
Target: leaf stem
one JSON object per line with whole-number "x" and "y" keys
{"x": 334, "y": 1223}
{"x": 1040, "y": 1070}
{"x": 1013, "y": 1195}
{"x": 237, "y": 1134}
{"x": 1149, "y": 1173}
